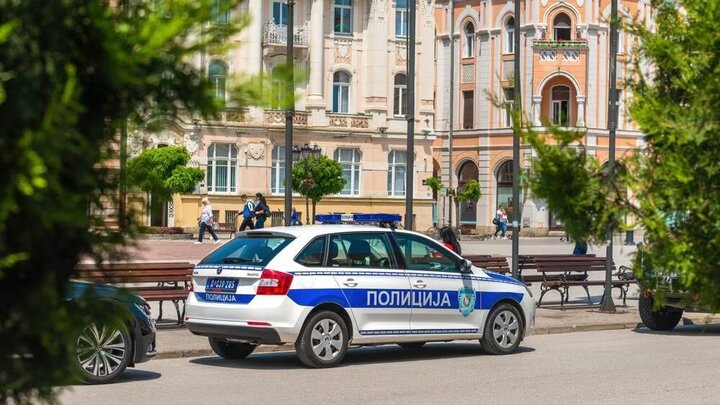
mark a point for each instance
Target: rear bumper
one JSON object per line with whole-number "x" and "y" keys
{"x": 247, "y": 333}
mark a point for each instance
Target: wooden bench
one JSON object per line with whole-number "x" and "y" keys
{"x": 158, "y": 281}
{"x": 561, "y": 273}
{"x": 498, "y": 264}
{"x": 528, "y": 269}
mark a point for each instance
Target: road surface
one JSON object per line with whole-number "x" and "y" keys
{"x": 612, "y": 367}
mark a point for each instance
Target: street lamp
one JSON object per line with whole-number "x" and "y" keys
{"x": 304, "y": 153}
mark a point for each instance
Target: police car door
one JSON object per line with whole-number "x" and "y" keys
{"x": 366, "y": 270}
{"x": 444, "y": 300}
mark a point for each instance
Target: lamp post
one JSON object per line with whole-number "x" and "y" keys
{"x": 303, "y": 153}
{"x": 451, "y": 111}
{"x": 289, "y": 112}
{"x": 517, "y": 101}
{"x": 409, "y": 173}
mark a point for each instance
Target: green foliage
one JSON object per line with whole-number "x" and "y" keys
{"x": 471, "y": 192}
{"x": 162, "y": 172}
{"x": 675, "y": 178}
{"x": 317, "y": 178}
{"x": 75, "y": 71}
{"x": 434, "y": 183}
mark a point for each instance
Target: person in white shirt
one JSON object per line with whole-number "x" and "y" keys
{"x": 206, "y": 222}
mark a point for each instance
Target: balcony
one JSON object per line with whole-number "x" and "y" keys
{"x": 275, "y": 34}
{"x": 579, "y": 43}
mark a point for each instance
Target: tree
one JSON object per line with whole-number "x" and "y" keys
{"x": 162, "y": 172}
{"x": 315, "y": 178}
{"x": 675, "y": 178}
{"x": 72, "y": 74}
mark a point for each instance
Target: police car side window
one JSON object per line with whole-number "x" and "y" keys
{"x": 363, "y": 249}
{"x": 313, "y": 254}
{"x": 424, "y": 255}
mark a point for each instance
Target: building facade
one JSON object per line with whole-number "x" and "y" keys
{"x": 564, "y": 61}
{"x": 352, "y": 106}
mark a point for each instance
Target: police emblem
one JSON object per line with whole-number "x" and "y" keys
{"x": 466, "y": 300}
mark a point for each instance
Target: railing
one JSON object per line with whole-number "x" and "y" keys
{"x": 349, "y": 121}
{"x": 551, "y": 43}
{"x": 277, "y": 117}
{"x": 277, "y": 34}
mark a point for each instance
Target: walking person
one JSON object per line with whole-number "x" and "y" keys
{"x": 262, "y": 211}
{"x": 248, "y": 213}
{"x": 503, "y": 223}
{"x": 500, "y": 222}
{"x": 294, "y": 219}
{"x": 496, "y": 221}
{"x": 206, "y": 222}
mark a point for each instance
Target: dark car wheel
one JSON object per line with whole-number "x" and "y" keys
{"x": 231, "y": 351}
{"x": 323, "y": 341}
{"x": 413, "y": 345}
{"x": 503, "y": 330}
{"x": 102, "y": 353}
{"x": 666, "y": 318}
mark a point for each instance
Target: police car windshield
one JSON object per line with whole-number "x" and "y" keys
{"x": 255, "y": 250}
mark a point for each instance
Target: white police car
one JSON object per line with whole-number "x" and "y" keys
{"x": 327, "y": 287}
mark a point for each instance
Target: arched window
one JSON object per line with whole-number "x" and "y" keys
{"x": 341, "y": 92}
{"x": 277, "y": 170}
{"x": 510, "y": 35}
{"x": 468, "y": 209}
{"x": 562, "y": 27}
{"x": 560, "y": 113}
{"x": 222, "y": 168}
{"x": 400, "y": 95}
{"x": 220, "y": 12}
{"x": 218, "y": 77}
{"x": 469, "y": 40}
{"x": 397, "y": 166}
{"x": 350, "y": 161}
{"x": 504, "y": 178}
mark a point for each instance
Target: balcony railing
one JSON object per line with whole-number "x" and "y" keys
{"x": 551, "y": 43}
{"x": 277, "y": 34}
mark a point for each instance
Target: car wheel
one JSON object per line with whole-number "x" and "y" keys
{"x": 664, "y": 319}
{"x": 231, "y": 351}
{"x": 323, "y": 341}
{"x": 413, "y": 345}
{"x": 102, "y": 353}
{"x": 503, "y": 330}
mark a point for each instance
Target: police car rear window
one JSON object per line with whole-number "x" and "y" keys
{"x": 252, "y": 250}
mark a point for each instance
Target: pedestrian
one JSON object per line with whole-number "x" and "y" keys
{"x": 262, "y": 210}
{"x": 248, "y": 212}
{"x": 581, "y": 248}
{"x": 503, "y": 223}
{"x": 500, "y": 222}
{"x": 496, "y": 221}
{"x": 294, "y": 220}
{"x": 206, "y": 222}
{"x": 450, "y": 240}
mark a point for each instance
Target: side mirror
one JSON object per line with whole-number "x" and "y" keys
{"x": 465, "y": 266}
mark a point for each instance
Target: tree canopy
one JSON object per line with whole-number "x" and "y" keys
{"x": 163, "y": 172}
{"x": 316, "y": 178}
{"x": 674, "y": 179}
{"x": 72, "y": 73}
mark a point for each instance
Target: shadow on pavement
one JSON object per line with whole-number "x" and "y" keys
{"x": 356, "y": 356}
{"x": 132, "y": 375}
{"x": 711, "y": 329}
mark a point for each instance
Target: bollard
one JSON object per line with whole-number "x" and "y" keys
{"x": 629, "y": 236}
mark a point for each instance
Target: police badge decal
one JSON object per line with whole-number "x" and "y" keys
{"x": 466, "y": 300}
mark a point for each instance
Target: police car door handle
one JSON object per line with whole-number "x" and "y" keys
{"x": 420, "y": 284}
{"x": 350, "y": 282}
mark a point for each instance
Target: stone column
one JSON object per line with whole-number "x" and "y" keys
{"x": 256, "y": 36}
{"x": 317, "y": 44}
{"x": 580, "y": 111}
{"x": 536, "y": 100}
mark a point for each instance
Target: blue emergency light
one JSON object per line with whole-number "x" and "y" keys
{"x": 382, "y": 219}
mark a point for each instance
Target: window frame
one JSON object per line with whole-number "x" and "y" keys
{"x": 232, "y": 169}
{"x": 338, "y": 11}
{"x": 340, "y": 89}
{"x": 556, "y": 119}
{"x": 354, "y": 166}
{"x": 510, "y": 36}
{"x": 567, "y": 29}
{"x": 217, "y": 18}
{"x": 508, "y": 103}
{"x": 324, "y": 253}
{"x": 393, "y": 264}
{"x": 399, "y": 96}
{"x": 466, "y": 111}
{"x": 401, "y": 13}
{"x": 469, "y": 43}
{"x": 277, "y": 170}
{"x": 393, "y": 165}
{"x": 219, "y": 81}
{"x": 454, "y": 258}
{"x": 283, "y": 10}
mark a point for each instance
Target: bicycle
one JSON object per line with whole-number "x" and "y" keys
{"x": 434, "y": 231}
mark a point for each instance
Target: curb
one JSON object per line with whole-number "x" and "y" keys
{"x": 177, "y": 354}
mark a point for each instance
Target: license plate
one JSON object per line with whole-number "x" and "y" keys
{"x": 221, "y": 285}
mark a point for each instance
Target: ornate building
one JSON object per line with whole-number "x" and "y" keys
{"x": 352, "y": 107}
{"x": 564, "y": 57}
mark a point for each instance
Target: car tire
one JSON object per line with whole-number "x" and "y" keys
{"x": 503, "y": 330}
{"x": 102, "y": 353}
{"x": 231, "y": 351}
{"x": 323, "y": 341}
{"x": 413, "y": 345}
{"x": 665, "y": 319}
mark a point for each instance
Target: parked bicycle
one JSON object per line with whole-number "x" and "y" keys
{"x": 434, "y": 231}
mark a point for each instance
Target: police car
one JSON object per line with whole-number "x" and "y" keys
{"x": 327, "y": 287}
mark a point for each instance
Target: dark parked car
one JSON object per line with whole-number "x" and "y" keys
{"x": 104, "y": 351}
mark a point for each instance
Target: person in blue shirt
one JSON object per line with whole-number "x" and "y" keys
{"x": 294, "y": 220}
{"x": 248, "y": 213}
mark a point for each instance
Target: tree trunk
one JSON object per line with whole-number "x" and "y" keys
{"x": 313, "y": 214}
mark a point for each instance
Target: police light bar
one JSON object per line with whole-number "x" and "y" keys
{"x": 358, "y": 218}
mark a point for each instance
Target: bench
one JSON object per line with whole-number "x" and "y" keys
{"x": 498, "y": 264}
{"x": 167, "y": 281}
{"x": 561, "y": 273}
{"x": 526, "y": 265}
